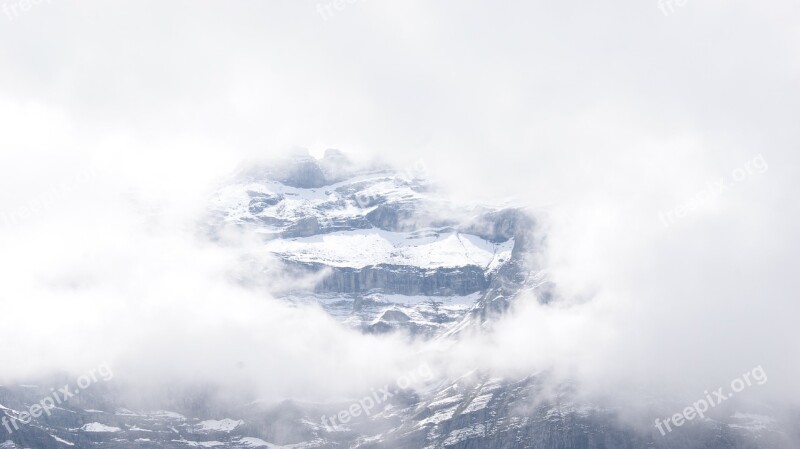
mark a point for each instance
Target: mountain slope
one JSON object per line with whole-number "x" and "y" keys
{"x": 388, "y": 254}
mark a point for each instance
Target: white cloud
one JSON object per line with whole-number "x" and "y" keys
{"x": 597, "y": 115}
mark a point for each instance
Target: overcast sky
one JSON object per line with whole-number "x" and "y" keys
{"x": 610, "y": 119}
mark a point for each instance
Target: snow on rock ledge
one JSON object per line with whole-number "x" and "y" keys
{"x": 224, "y": 425}
{"x": 362, "y": 248}
{"x": 97, "y": 427}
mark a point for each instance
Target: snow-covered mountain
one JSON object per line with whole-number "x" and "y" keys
{"x": 395, "y": 252}
{"x": 388, "y": 253}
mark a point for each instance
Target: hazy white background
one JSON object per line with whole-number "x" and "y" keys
{"x": 597, "y": 115}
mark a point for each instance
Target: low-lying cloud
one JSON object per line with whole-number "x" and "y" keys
{"x": 596, "y": 118}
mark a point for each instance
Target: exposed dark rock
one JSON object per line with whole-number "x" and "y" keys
{"x": 403, "y": 280}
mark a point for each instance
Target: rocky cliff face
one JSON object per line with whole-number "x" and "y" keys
{"x": 405, "y": 280}
{"x": 374, "y": 231}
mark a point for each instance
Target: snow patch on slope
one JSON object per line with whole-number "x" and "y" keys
{"x": 97, "y": 427}
{"x": 752, "y": 422}
{"x": 62, "y": 441}
{"x": 479, "y": 403}
{"x": 257, "y": 442}
{"x": 224, "y": 425}
{"x": 459, "y": 435}
{"x": 362, "y": 248}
